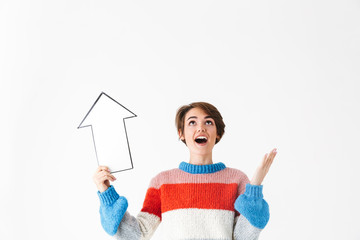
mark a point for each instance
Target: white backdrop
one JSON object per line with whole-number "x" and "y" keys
{"x": 283, "y": 74}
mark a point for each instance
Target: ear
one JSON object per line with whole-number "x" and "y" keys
{"x": 180, "y": 135}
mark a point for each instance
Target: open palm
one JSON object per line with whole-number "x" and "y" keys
{"x": 263, "y": 168}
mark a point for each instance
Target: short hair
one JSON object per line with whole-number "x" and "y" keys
{"x": 208, "y": 109}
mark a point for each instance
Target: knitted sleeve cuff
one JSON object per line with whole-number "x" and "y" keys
{"x": 108, "y": 197}
{"x": 112, "y": 209}
{"x": 252, "y": 206}
{"x": 254, "y": 191}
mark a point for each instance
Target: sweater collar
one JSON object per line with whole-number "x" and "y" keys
{"x": 201, "y": 169}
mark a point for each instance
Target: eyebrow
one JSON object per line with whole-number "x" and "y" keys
{"x": 197, "y": 117}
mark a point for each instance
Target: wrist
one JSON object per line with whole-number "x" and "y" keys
{"x": 103, "y": 188}
{"x": 256, "y": 183}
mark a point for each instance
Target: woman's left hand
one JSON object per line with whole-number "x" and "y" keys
{"x": 263, "y": 168}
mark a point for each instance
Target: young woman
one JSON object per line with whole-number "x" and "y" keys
{"x": 199, "y": 199}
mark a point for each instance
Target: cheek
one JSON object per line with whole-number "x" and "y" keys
{"x": 214, "y": 133}
{"x": 188, "y": 133}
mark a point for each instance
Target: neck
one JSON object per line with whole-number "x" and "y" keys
{"x": 200, "y": 159}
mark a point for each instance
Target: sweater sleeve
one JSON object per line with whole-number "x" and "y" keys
{"x": 119, "y": 223}
{"x": 254, "y": 213}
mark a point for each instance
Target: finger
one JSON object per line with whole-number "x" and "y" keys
{"x": 102, "y": 173}
{"x": 270, "y": 160}
{"x": 105, "y": 173}
{"x": 103, "y": 179}
{"x": 103, "y": 176}
{"x": 110, "y": 178}
{"x": 107, "y": 177}
{"x": 263, "y": 162}
{"x": 103, "y": 168}
{"x": 266, "y": 162}
{"x": 272, "y": 154}
{"x": 99, "y": 172}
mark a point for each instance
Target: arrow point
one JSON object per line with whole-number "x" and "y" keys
{"x": 123, "y": 112}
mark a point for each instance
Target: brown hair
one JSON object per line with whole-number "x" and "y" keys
{"x": 206, "y": 107}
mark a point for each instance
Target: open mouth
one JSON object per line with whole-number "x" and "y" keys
{"x": 201, "y": 140}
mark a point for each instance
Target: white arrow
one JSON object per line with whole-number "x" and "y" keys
{"x": 107, "y": 121}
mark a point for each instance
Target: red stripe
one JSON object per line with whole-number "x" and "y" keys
{"x": 200, "y": 195}
{"x": 152, "y": 203}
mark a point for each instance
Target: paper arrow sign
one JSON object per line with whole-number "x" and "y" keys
{"x": 106, "y": 118}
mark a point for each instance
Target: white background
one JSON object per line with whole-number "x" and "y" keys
{"x": 283, "y": 74}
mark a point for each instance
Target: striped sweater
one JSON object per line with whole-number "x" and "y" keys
{"x": 203, "y": 202}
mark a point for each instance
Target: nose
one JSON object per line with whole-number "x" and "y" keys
{"x": 201, "y": 128}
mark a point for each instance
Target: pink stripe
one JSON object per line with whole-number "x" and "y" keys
{"x": 177, "y": 176}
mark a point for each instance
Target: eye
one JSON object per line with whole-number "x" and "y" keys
{"x": 191, "y": 123}
{"x": 209, "y": 122}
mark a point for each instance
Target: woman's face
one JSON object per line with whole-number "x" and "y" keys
{"x": 199, "y": 131}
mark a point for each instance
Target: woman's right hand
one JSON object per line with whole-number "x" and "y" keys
{"x": 102, "y": 178}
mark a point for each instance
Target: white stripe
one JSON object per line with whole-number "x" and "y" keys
{"x": 244, "y": 230}
{"x": 148, "y": 224}
{"x": 198, "y": 224}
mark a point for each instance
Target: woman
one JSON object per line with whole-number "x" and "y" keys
{"x": 198, "y": 200}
